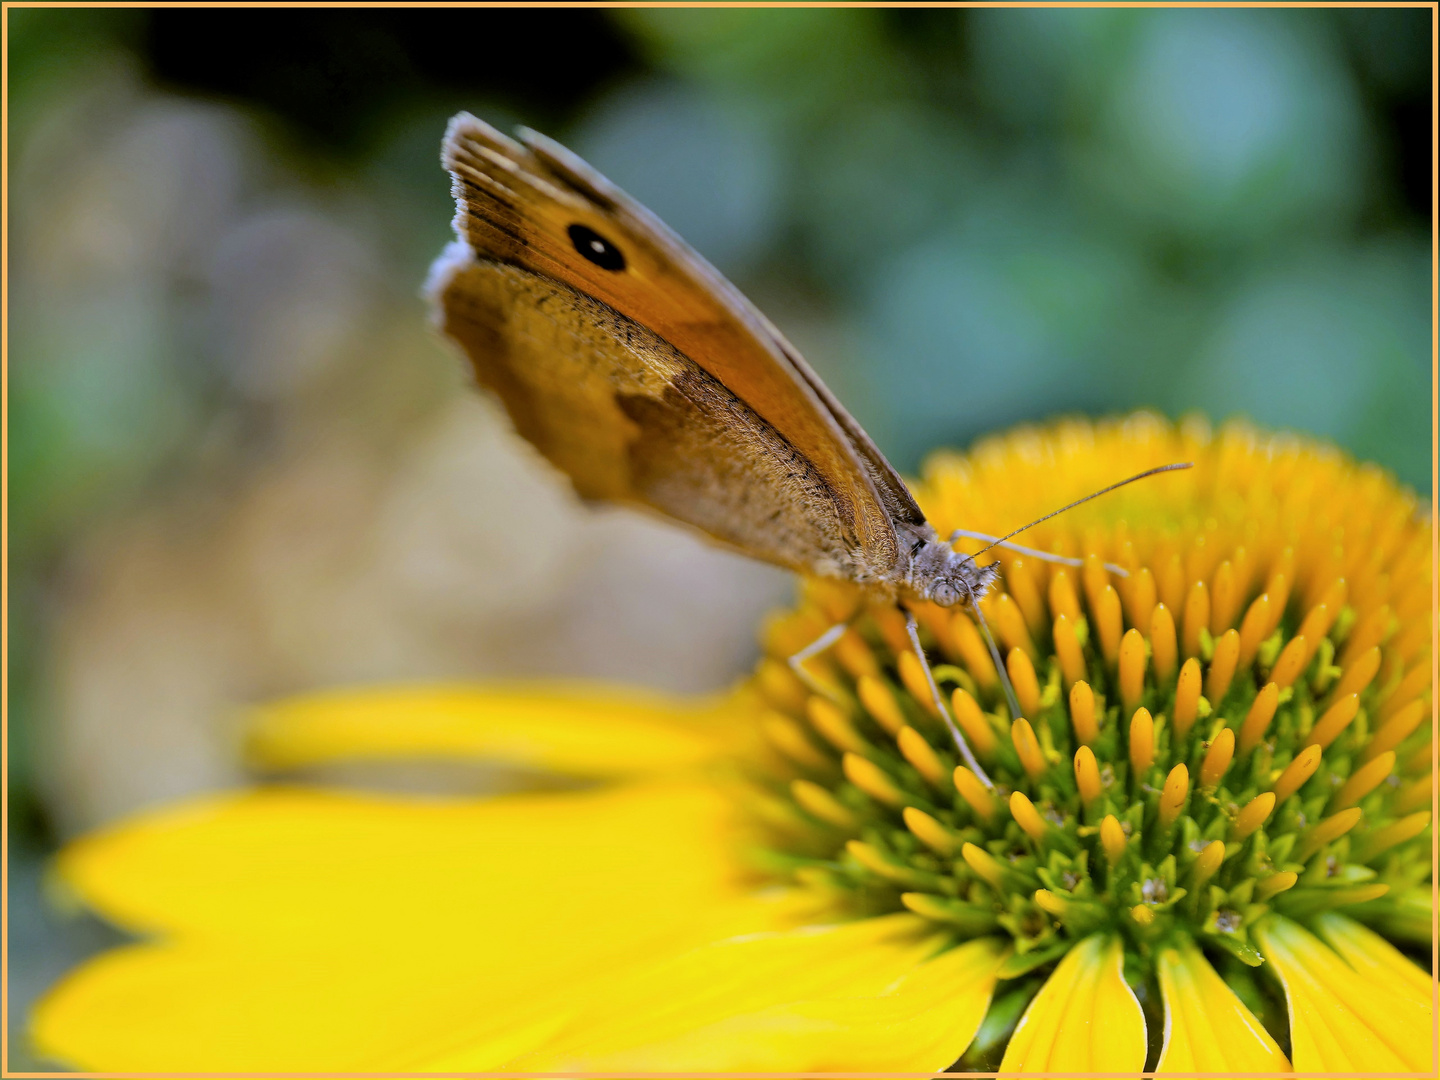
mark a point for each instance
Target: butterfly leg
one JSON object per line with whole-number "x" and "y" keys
{"x": 1000, "y": 669}
{"x": 1034, "y": 553}
{"x": 815, "y": 648}
{"x": 939, "y": 701}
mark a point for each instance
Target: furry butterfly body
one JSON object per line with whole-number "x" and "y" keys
{"x": 644, "y": 375}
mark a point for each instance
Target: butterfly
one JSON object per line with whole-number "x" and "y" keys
{"x": 649, "y": 379}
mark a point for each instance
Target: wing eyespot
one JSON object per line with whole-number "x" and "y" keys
{"x": 596, "y": 248}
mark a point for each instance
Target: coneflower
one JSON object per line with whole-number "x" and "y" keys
{"x": 1204, "y": 845}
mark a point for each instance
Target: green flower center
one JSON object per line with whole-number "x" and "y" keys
{"x": 1241, "y": 748}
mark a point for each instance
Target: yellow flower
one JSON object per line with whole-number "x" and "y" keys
{"x": 1203, "y": 847}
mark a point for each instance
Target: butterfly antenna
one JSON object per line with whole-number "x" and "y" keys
{"x": 1087, "y": 498}
{"x": 960, "y": 742}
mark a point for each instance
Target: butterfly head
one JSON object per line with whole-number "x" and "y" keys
{"x": 947, "y": 577}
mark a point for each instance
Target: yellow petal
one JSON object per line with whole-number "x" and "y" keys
{"x": 586, "y": 729}
{"x": 311, "y": 930}
{"x": 1084, "y": 1019}
{"x": 323, "y": 865}
{"x": 862, "y": 996}
{"x": 191, "y": 1008}
{"x": 1340, "y": 1019}
{"x": 1208, "y": 1028}
{"x": 1371, "y": 955}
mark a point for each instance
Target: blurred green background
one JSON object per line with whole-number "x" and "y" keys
{"x": 240, "y": 465}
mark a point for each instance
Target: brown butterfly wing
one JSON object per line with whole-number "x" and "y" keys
{"x": 783, "y": 472}
{"x": 631, "y": 419}
{"x": 899, "y": 503}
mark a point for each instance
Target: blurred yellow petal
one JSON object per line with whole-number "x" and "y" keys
{"x": 860, "y": 996}
{"x": 1208, "y": 1028}
{"x": 1084, "y": 1019}
{"x": 325, "y": 865}
{"x": 582, "y": 728}
{"x": 181, "y": 1007}
{"x": 1340, "y": 1018}
{"x": 1371, "y": 955}
{"x": 392, "y": 930}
